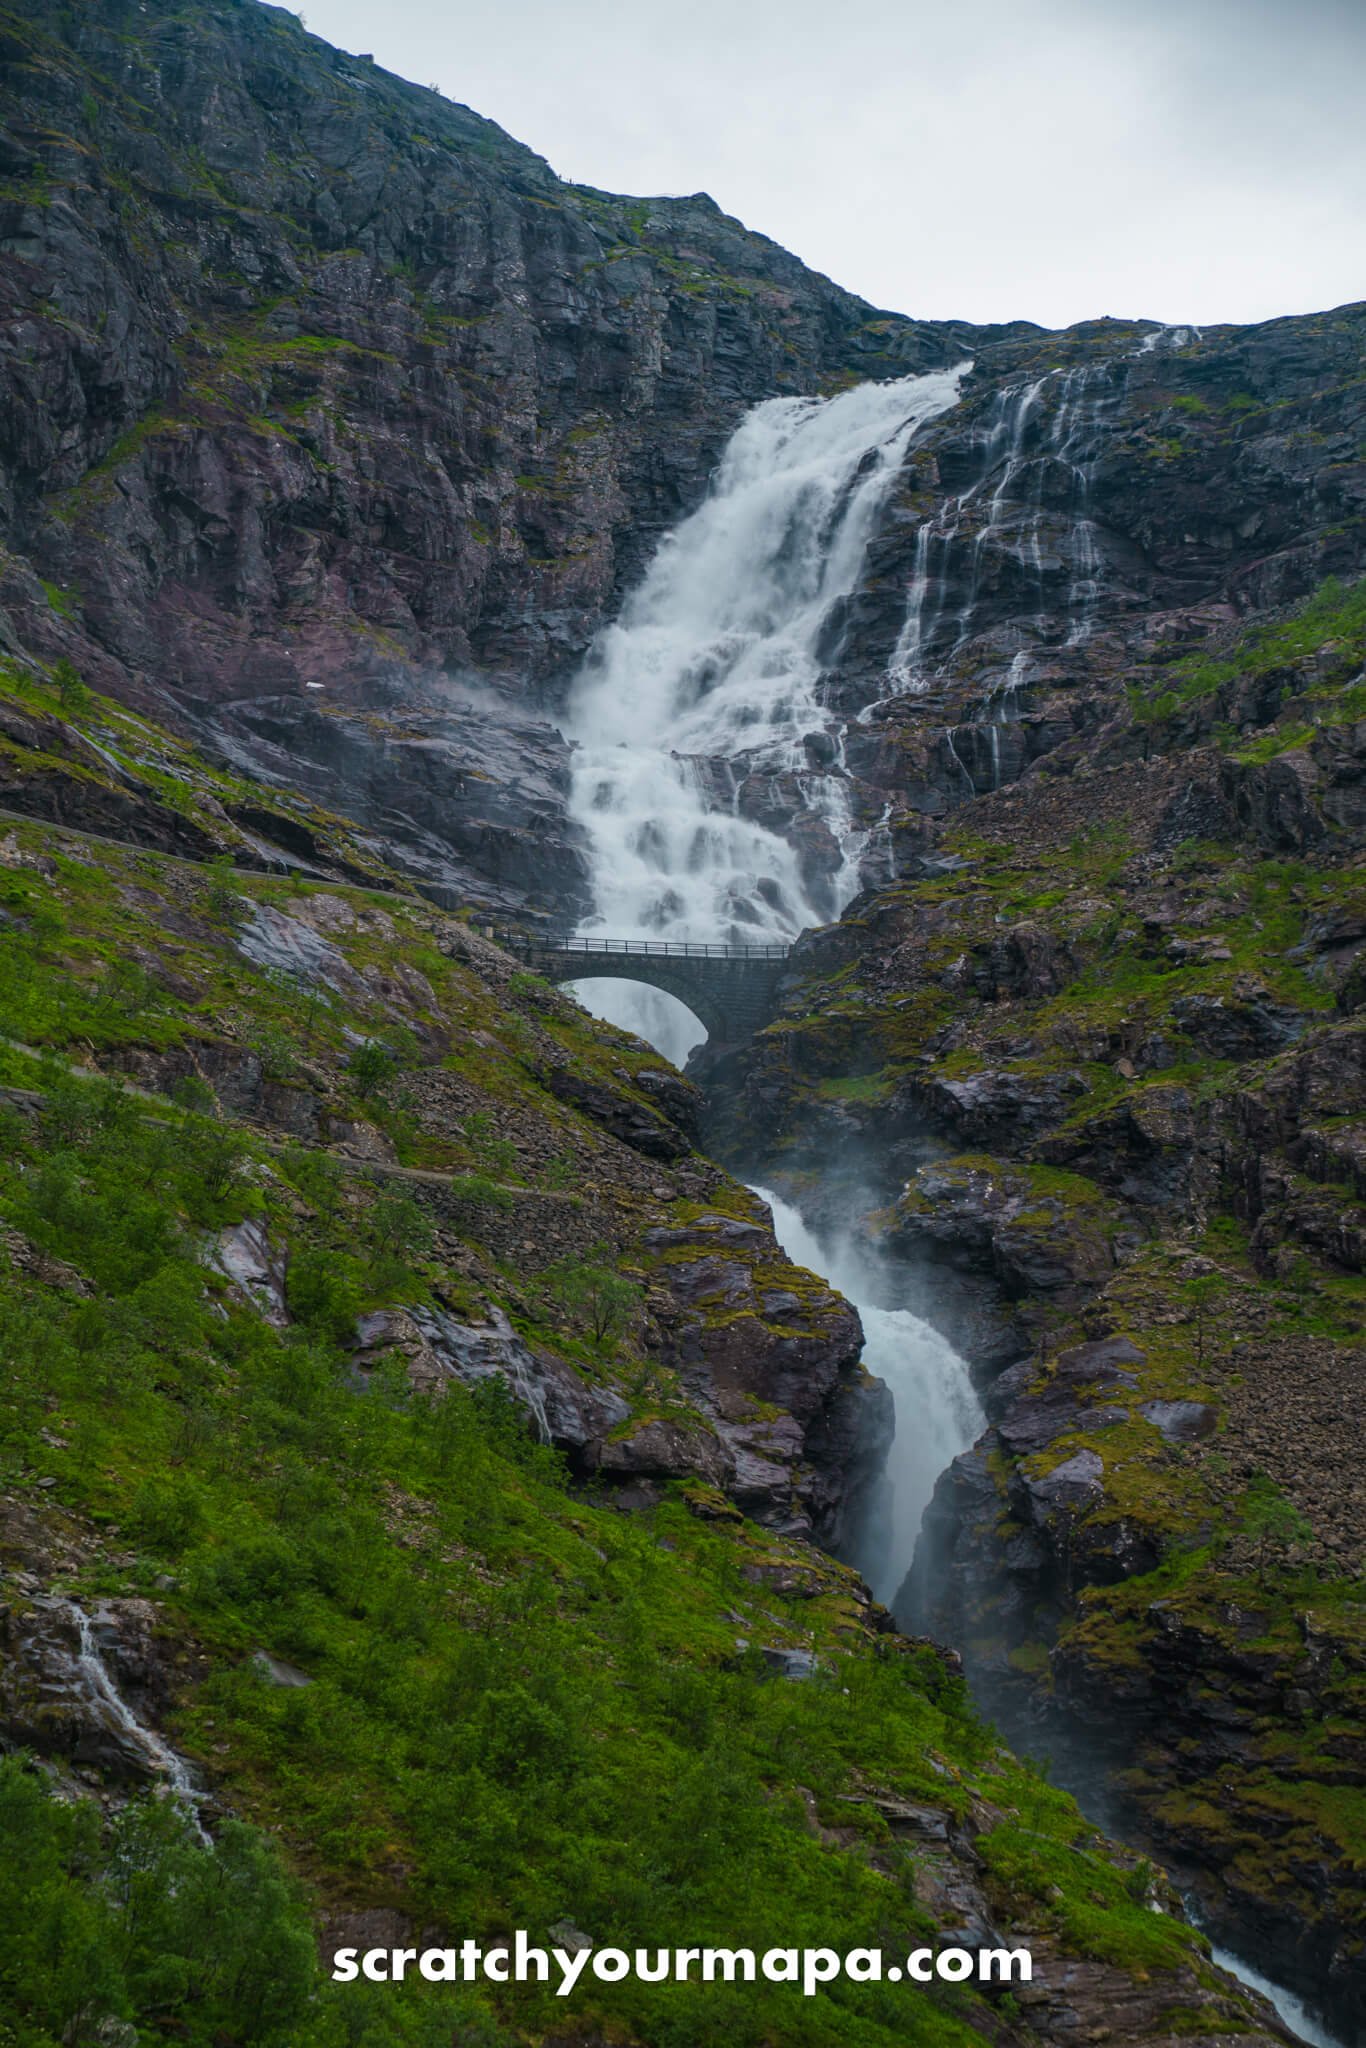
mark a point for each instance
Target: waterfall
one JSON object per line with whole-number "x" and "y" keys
{"x": 937, "y": 1413}
{"x": 1289, "y": 2010}
{"x": 1002, "y": 441}
{"x": 699, "y": 718}
{"x": 109, "y": 1706}
{"x": 712, "y": 677}
{"x": 1028, "y": 504}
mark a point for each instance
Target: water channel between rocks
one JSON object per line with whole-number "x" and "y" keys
{"x": 708, "y": 688}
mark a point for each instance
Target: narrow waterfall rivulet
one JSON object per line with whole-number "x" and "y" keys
{"x": 108, "y": 1706}
{"x": 713, "y": 674}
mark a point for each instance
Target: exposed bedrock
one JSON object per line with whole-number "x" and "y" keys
{"x": 324, "y": 389}
{"x": 1090, "y": 1073}
{"x": 331, "y": 409}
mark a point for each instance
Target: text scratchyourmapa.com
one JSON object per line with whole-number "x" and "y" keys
{"x": 520, "y": 1962}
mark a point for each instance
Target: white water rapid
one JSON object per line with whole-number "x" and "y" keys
{"x": 712, "y": 678}
{"x": 713, "y": 673}
{"x": 1290, "y": 2010}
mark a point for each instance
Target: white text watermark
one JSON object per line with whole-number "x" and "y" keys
{"x": 522, "y": 1963}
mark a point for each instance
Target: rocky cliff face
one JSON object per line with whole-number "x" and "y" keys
{"x": 324, "y": 395}
{"x": 332, "y": 426}
{"x": 1091, "y": 1074}
{"x": 1101, "y": 505}
{"x": 396, "y": 1401}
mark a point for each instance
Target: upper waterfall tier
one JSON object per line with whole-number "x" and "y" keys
{"x": 716, "y": 659}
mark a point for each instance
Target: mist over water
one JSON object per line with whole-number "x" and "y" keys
{"x": 713, "y": 673}
{"x": 1290, "y": 2009}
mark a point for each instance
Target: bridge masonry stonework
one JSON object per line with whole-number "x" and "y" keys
{"x": 733, "y": 991}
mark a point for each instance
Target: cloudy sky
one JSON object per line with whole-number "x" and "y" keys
{"x": 1185, "y": 160}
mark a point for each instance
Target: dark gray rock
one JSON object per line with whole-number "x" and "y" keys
{"x": 630, "y": 1121}
{"x": 1181, "y": 1421}
{"x": 560, "y": 1405}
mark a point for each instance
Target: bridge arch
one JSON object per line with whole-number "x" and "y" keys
{"x": 708, "y": 1018}
{"x": 667, "y": 1021}
{"x": 731, "y": 990}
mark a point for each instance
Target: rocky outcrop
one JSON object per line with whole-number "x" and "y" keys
{"x": 765, "y": 1399}
{"x": 338, "y": 425}
{"x": 562, "y": 1407}
{"x": 997, "y": 1248}
{"x": 1193, "y": 1714}
{"x": 634, "y": 1122}
{"x": 770, "y": 1355}
{"x": 467, "y": 794}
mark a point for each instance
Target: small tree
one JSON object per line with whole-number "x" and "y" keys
{"x": 72, "y": 693}
{"x": 127, "y": 990}
{"x": 1274, "y": 1523}
{"x": 594, "y": 1293}
{"x": 397, "y": 1230}
{"x": 222, "y": 902}
{"x": 498, "y": 1154}
{"x": 372, "y": 1068}
{"x": 275, "y": 1049}
{"x": 1205, "y": 1295}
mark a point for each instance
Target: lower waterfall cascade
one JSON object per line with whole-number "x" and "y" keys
{"x": 713, "y": 674}
{"x": 937, "y": 1413}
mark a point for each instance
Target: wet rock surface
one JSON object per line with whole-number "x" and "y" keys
{"x": 560, "y": 1406}
{"x": 771, "y": 1356}
{"x": 1107, "y": 1093}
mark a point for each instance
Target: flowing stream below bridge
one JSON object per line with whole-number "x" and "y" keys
{"x": 710, "y": 681}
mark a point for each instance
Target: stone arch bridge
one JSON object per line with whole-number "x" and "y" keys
{"x": 731, "y": 990}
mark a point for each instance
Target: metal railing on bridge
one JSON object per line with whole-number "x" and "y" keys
{"x": 683, "y": 949}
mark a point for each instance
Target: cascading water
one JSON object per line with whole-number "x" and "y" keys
{"x": 1026, "y": 516}
{"x": 113, "y": 1711}
{"x": 1291, "y": 2010}
{"x": 938, "y": 1415}
{"x": 715, "y": 661}
{"x": 711, "y": 674}
{"x": 714, "y": 664}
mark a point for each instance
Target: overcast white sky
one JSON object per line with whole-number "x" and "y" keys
{"x": 1052, "y": 160}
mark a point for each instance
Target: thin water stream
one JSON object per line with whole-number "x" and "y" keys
{"x": 108, "y": 1705}
{"x": 937, "y": 1413}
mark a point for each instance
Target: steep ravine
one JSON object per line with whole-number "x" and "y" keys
{"x": 320, "y": 1217}
{"x": 712, "y": 679}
